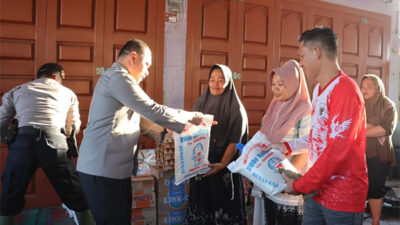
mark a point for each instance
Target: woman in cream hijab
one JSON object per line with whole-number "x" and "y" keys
{"x": 381, "y": 122}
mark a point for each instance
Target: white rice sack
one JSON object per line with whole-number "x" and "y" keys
{"x": 191, "y": 150}
{"x": 261, "y": 167}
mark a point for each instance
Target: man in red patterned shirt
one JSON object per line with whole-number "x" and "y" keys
{"x": 336, "y": 141}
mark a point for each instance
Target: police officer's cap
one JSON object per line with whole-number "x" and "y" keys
{"x": 51, "y": 68}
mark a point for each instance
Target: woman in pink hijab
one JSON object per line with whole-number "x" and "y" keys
{"x": 288, "y": 117}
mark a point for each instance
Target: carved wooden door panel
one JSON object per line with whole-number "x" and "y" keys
{"x": 252, "y": 37}
{"x": 255, "y": 32}
{"x": 239, "y": 35}
{"x": 22, "y": 51}
{"x": 82, "y": 36}
{"x": 362, "y": 37}
{"x": 211, "y": 40}
{"x": 363, "y": 46}
{"x": 137, "y": 19}
{"x": 74, "y": 39}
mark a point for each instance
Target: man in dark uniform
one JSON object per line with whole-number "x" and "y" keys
{"x": 46, "y": 112}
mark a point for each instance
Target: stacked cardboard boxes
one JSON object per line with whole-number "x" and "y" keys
{"x": 144, "y": 210}
{"x": 166, "y": 204}
{"x": 172, "y": 199}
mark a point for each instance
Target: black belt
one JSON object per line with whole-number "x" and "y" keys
{"x": 36, "y": 130}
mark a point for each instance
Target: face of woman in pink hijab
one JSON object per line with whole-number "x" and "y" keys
{"x": 279, "y": 89}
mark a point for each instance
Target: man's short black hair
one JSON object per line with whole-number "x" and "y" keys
{"x": 136, "y": 45}
{"x": 49, "y": 69}
{"x": 323, "y": 37}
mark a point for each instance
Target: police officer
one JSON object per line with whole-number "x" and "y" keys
{"x": 45, "y": 110}
{"x": 110, "y": 142}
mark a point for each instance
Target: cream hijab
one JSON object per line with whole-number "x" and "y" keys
{"x": 282, "y": 116}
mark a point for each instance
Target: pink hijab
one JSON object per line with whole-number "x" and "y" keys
{"x": 282, "y": 116}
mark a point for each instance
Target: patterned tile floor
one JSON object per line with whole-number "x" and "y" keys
{"x": 33, "y": 217}
{"x": 385, "y": 220}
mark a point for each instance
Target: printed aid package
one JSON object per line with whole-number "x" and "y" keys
{"x": 261, "y": 167}
{"x": 191, "y": 150}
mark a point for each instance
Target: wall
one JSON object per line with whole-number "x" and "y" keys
{"x": 175, "y": 48}
{"x": 174, "y": 59}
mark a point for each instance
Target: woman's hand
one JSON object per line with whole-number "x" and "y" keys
{"x": 381, "y": 140}
{"x": 280, "y": 146}
{"x": 215, "y": 168}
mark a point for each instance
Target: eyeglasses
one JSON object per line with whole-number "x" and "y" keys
{"x": 61, "y": 74}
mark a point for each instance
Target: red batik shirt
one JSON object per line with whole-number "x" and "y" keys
{"x": 336, "y": 147}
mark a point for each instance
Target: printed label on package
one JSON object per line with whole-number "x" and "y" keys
{"x": 261, "y": 166}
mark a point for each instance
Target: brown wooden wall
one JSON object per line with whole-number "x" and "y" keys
{"x": 254, "y": 36}
{"x": 82, "y": 36}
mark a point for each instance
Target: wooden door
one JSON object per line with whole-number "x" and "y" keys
{"x": 211, "y": 39}
{"x": 363, "y": 48}
{"x": 239, "y": 35}
{"x": 377, "y": 39}
{"x": 253, "y": 37}
{"x": 363, "y": 36}
{"x": 137, "y": 19}
{"x": 255, "y": 26}
{"x": 291, "y": 21}
{"x": 22, "y": 51}
{"x": 74, "y": 39}
{"x": 81, "y": 35}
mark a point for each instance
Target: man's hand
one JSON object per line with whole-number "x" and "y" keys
{"x": 289, "y": 184}
{"x": 289, "y": 173}
{"x": 197, "y": 118}
{"x": 290, "y": 177}
{"x": 215, "y": 168}
{"x": 280, "y": 146}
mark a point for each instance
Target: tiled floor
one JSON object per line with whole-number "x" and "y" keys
{"x": 385, "y": 220}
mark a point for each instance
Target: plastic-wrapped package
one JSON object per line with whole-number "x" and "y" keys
{"x": 261, "y": 167}
{"x": 146, "y": 161}
{"x": 191, "y": 150}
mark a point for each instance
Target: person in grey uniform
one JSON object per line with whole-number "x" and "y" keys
{"x": 46, "y": 111}
{"x": 106, "y": 158}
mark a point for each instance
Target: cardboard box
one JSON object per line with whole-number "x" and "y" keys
{"x": 171, "y": 217}
{"x": 171, "y": 201}
{"x": 143, "y": 183}
{"x": 144, "y": 216}
{"x": 166, "y": 183}
{"x": 143, "y": 200}
{"x": 170, "y": 196}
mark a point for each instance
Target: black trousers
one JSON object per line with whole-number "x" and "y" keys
{"x": 275, "y": 215}
{"x": 110, "y": 200}
{"x": 34, "y": 148}
{"x": 377, "y": 173}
